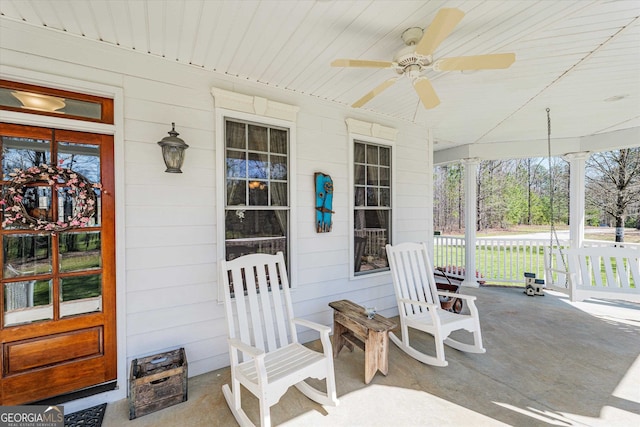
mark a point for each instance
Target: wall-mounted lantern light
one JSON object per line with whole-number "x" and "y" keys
{"x": 173, "y": 150}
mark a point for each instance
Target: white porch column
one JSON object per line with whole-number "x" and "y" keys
{"x": 577, "y": 162}
{"x": 470, "y": 216}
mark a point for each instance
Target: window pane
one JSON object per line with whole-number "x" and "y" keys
{"x": 236, "y": 192}
{"x": 372, "y": 175}
{"x": 258, "y": 166}
{"x": 236, "y": 164}
{"x": 26, "y": 254}
{"x": 385, "y": 156}
{"x": 80, "y": 294}
{"x": 278, "y": 167}
{"x": 80, "y": 251}
{"x": 359, "y": 196}
{"x": 81, "y": 158}
{"x": 358, "y": 153}
{"x": 245, "y": 223}
{"x": 278, "y": 141}
{"x": 22, "y": 153}
{"x": 384, "y": 177}
{"x": 372, "y": 155}
{"x": 279, "y": 194}
{"x": 51, "y": 104}
{"x": 373, "y": 226}
{"x": 258, "y": 193}
{"x": 385, "y": 197}
{"x": 256, "y": 232}
{"x": 27, "y": 301}
{"x": 358, "y": 175}
{"x": 258, "y": 138}
{"x": 235, "y": 135}
{"x": 372, "y": 196}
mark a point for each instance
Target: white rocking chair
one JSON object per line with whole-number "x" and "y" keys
{"x": 266, "y": 357}
{"x": 419, "y": 305}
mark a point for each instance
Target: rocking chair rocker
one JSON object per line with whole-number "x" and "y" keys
{"x": 266, "y": 357}
{"x": 419, "y": 305}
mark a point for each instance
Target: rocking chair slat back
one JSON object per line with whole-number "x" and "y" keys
{"x": 413, "y": 276}
{"x": 260, "y": 307}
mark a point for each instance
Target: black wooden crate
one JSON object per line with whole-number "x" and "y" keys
{"x": 156, "y": 382}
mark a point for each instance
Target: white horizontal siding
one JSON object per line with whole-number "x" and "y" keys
{"x": 170, "y": 219}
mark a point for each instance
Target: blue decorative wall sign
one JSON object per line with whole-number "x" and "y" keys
{"x": 324, "y": 202}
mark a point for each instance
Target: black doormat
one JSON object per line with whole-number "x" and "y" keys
{"x": 90, "y": 417}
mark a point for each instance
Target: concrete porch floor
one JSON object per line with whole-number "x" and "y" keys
{"x": 548, "y": 362}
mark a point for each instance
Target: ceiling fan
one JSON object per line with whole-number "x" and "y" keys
{"x": 417, "y": 56}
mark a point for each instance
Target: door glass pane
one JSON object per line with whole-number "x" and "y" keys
{"x": 79, "y": 251}
{"x": 81, "y": 158}
{"x": 23, "y": 153}
{"x": 36, "y": 201}
{"x": 35, "y": 101}
{"x": 68, "y": 209}
{"x": 80, "y": 294}
{"x": 27, "y": 301}
{"x": 26, "y": 254}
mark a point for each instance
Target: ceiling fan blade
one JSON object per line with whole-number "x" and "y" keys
{"x": 442, "y": 25}
{"x": 477, "y": 62}
{"x": 360, "y": 63}
{"x": 375, "y": 92}
{"x": 426, "y": 93}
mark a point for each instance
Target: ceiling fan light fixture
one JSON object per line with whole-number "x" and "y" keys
{"x": 412, "y": 35}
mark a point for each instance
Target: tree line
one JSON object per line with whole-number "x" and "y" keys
{"x": 535, "y": 191}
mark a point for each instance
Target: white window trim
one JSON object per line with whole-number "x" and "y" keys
{"x": 259, "y": 110}
{"x": 358, "y": 130}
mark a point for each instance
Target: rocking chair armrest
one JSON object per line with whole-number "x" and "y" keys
{"x": 461, "y": 296}
{"x": 245, "y": 348}
{"x": 312, "y": 325}
{"x": 416, "y": 302}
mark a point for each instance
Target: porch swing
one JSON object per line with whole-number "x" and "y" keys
{"x": 589, "y": 272}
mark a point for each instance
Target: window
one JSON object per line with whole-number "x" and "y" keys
{"x": 22, "y": 97}
{"x": 257, "y": 188}
{"x": 372, "y": 206}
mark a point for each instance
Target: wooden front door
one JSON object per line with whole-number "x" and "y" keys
{"x": 57, "y": 293}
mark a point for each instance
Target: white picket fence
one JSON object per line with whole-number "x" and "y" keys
{"x": 505, "y": 260}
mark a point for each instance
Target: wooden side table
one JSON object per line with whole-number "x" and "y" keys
{"x": 351, "y": 327}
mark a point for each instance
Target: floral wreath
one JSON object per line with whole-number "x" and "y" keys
{"x": 73, "y": 183}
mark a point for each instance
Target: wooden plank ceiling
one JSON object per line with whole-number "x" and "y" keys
{"x": 579, "y": 58}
